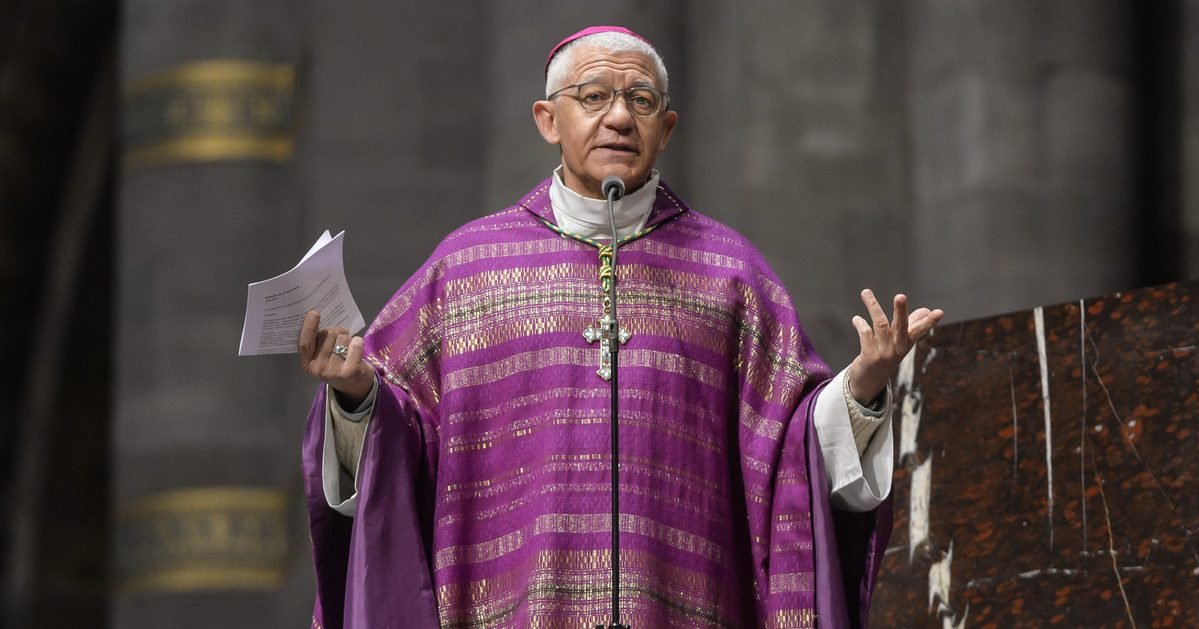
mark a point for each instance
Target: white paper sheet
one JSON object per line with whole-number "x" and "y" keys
{"x": 275, "y": 308}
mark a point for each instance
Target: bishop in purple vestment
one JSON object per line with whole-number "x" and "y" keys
{"x": 456, "y": 462}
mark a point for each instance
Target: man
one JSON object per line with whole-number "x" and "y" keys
{"x": 467, "y": 435}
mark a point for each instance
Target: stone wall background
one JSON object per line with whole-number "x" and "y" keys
{"x": 985, "y": 156}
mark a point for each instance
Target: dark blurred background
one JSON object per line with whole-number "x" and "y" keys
{"x": 157, "y": 155}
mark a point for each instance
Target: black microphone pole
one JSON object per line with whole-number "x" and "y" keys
{"x": 613, "y": 189}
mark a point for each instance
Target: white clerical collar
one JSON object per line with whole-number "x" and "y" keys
{"x": 586, "y": 217}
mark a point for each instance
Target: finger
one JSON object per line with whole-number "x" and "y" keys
{"x": 927, "y": 323}
{"x": 865, "y": 333}
{"x": 354, "y": 356}
{"x": 331, "y": 335}
{"x": 917, "y": 315}
{"x": 306, "y": 346}
{"x": 342, "y": 340}
{"x": 316, "y": 360}
{"x": 900, "y": 316}
{"x": 325, "y": 347}
{"x": 877, "y": 315}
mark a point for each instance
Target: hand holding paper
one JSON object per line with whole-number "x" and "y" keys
{"x": 275, "y": 308}
{"x": 322, "y": 356}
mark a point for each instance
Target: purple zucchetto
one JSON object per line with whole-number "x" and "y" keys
{"x": 590, "y": 30}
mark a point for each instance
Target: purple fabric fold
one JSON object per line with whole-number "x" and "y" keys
{"x": 385, "y": 546}
{"x": 848, "y": 561}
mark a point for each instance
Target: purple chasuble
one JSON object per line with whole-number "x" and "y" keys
{"x": 484, "y": 481}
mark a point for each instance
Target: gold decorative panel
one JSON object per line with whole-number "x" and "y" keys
{"x": 210, "y": 111}
{"x": 203, "y": 538}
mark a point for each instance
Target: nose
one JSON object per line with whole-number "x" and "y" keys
{"x": 618, "y": 115}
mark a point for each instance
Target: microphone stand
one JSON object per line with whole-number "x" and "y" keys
{"x": 613, "y": 188}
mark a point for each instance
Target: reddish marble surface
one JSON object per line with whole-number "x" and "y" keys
{"x": 1087, "y": 519}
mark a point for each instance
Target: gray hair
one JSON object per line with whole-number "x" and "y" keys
{"x": 555, "y": 75}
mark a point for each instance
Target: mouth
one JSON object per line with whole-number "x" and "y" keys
{"x": 619, "y": 148}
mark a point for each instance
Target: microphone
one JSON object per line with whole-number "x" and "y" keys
{"x": 613, "y": 187}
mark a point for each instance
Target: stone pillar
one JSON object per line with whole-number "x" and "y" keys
{"x": 801, "y": 147}
{"x": 1089, "y": 143}
{"x": 1020, "y": 124}
{"x": 206, "y": 478}
{"x": 249, "y": 129}
{"x": 1190, "y": 135}
{"x": 393, "y": 139}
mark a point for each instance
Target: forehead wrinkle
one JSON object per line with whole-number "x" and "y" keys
{"x": 602, "y": 79}
{"x": 610, "y": 63}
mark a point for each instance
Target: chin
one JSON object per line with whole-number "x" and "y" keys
{"x": 624, "y": 171}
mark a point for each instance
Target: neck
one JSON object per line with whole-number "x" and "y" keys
{"x": 595, "y": 191}
{"x": 588, "y": 216}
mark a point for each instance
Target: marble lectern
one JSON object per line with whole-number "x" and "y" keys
{"x": 1048, "y": 461}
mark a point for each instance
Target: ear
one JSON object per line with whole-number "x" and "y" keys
{"x": 545, "y": 116}
{"x": 668, "y": 121}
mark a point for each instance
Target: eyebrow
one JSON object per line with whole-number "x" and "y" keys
{"x": 604, "y": 79}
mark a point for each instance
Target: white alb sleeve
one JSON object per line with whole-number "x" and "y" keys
{"x": 859, "y": 478}
{"x": 345, "y": 434}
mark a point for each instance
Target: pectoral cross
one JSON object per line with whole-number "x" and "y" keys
{"x": 605, "y": 328}
{"x": 602, "y": 332}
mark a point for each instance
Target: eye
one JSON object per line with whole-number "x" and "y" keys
{"x": 595, "y": 94}
{"x": 644, "y": 101}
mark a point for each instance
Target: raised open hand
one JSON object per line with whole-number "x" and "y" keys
{"x": 885, "y": 343}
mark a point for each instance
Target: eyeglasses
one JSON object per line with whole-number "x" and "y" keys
{"x": 598, "y": 98}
